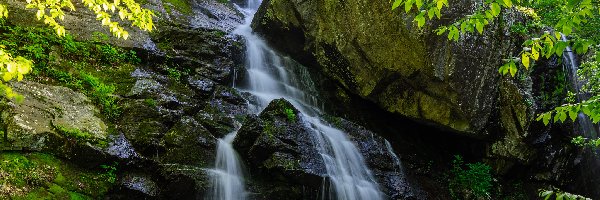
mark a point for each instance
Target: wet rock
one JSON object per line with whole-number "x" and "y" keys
{"x": 280, "y": 147}
{"x": 188, "y": 142}
{"x": 137, "y": 186}
{"x": 184, "y": 181}
{"x": 385, "y": 165}
{"x": 281, "y": 151}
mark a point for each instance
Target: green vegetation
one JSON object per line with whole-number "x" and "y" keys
{"x": 182, "y": 6}
{"x": 80, "y": 136}
{"x": 83, "y": 66}
{"x": 291, "y": 116}
{"x": 270, "y": 129}
{"x": 42, "y": 176}
{"x": 174, "y": 74}
{"x": 577, "y": 20}
{"x": 470, "y": 181}
{"x": 559, "y": 195}
{"x": 49, "y": 11}
{"x": 150, "y": 102}
{"x": 586, "y": 142}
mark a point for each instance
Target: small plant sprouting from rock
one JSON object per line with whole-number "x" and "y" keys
{"x": 291, "y": 116}
{"x": 111, "y": 172}
{"x": 470, "y": 181}
{"x": 150, "y": 102}
{"x": 174, "y": 73}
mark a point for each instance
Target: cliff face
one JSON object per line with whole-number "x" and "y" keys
{"x": 380, "y": 55}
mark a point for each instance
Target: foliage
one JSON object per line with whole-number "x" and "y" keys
{"x": 42, "y": 176}
{"x": 49, "y": 11}
{"x": 559, "y": 195}
{"x": 44, "y": 48}
{"x": 586, "y": 142}
{"x": 574, "y": 24}
{"x": 150, "y": 102}
{"x": 174, "y": 73}
{"x": 111, "y": 172}
{"x": 291, "y": 116}
{"x": 472, "y": 181}
{"x": 74, "y": 133}
{"x": 182, "y": 6}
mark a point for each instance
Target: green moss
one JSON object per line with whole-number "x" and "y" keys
{"x": 80, "y": 136}
{"x": 150, "y": 102}
{"x": 182, "y": 6}
{"x": 276, "y": 161}
{"x": 269, "y": 129}
{"x": 333, "y": 120}
{"x": 42, "y": 176}
{"x": 96, "y": 69}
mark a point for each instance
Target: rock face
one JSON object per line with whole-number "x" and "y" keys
{"x": 175, "y": 103}
{"x": 82, "y": 23}
{"x": 380, "y": 55}
{"x": 45, "y": 115}
{"x": 282, "y": 155}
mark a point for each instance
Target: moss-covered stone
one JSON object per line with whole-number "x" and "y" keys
{"x": 30, "y": 123}
{"x": 378, "y": 54}
{"x": 183, "y": 6}
{"x": 515, "y": 118}
{"x": 42, "y": 176}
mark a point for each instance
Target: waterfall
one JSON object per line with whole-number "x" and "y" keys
{"x": 590, "y": 164}
{"x": 227, "y": 176}
{"x": 585, "y": 125}
{"x": 271, "y": 76}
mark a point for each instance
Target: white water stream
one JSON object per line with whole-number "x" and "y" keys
{"x": 271, "y": 76}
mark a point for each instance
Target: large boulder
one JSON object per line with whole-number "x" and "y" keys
{"x": 48, "y": 117}
{"x": 380, "y": 55}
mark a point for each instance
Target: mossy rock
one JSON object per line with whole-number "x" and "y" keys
{"x": 45, "y": 113}
{"x": 378, "y": 54}
{"x": 42, "y": 176}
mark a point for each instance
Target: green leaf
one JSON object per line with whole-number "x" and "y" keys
{"x": 408, "y": 5}
{"x": 507, "y": 3}
{"x": 513, "y": 69}
{"x": 420, "y": 19}
{"x": 431, "y": 12}
{"x": 546, "y": 118}
{"x": 573, "y": 115}
{"x": 525, "y": 60}
{"x": 441, "y": 30}
{"x": 546, "y": 193}
{"x": 495, "y": 9}
{"x": 534, "y": 53}
{"x": 560, "y": 47}
{"x": 566, "y": 29}
{"x": 479, "y": 27}
{"x": 394, "y": 6}
{"x": 419, "y": 3}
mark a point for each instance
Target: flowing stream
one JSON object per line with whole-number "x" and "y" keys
{"x": 271, "y": 76}
{"x": 228, "y": 178}
{"x": 590, "y": 164}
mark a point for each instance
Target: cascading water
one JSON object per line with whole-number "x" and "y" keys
{"x": 590, "y": 164}
{"x": 271, "y": 76}
{"x": 585, "y": 125}
{"x": 227, "y": 177}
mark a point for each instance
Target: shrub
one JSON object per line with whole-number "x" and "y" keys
{"x": 470, "y": 181}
